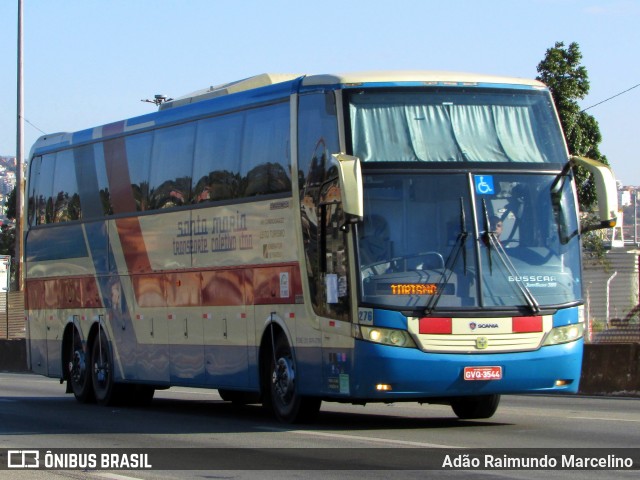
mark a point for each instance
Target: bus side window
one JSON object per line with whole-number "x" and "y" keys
{"x": 138, "y": 149}
{"x": 66, "y": 205}
{"x": 265, "y": 151}
{"x": 171, "y": 164}
{"x": 44, "y": 190}
{"x": 217, "y": 158}
{"x": 34, "y": 171}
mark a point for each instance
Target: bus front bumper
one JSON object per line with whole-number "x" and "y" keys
{"x": 385, "y": 373}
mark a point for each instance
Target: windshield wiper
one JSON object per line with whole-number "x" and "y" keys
{"x": 451, "y": 261}
{"x": 493, "y": 243}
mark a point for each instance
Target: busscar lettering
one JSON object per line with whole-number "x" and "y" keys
{"x": 533, "y": 278}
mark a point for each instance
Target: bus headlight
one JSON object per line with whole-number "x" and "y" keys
{"x": 385, "y": 336}
{"x": 565, "y": 334}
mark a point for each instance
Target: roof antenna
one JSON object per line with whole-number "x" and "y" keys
{"x": 158, "y": 100}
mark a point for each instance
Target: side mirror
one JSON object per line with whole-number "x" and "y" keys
{"x": 606, "y": 191}
{"x": 350, "y": 177}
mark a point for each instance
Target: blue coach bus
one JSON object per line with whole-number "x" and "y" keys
{"x": 293, "y": 239}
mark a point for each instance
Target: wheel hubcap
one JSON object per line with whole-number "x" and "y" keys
{"x": 77, "y": 366}
{"x": 101, "y": 371}
{"x": 283, "y": 379}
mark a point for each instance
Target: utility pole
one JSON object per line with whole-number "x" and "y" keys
{"x": 635, "y": 217}
{"x": 19, "y": 159}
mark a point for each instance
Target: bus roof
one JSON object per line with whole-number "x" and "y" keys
{"x": 228, "y": 88}
{"x": 271, "y": 86}
{"x": 373, "y": 77}
{"x": 416, "y": 76}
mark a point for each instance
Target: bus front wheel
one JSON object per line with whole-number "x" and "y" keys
{"x": 283, "y": 397}
{"x": 480, "y": 406}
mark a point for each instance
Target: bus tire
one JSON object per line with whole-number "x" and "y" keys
{"x": 476, "y": 407}
{"x": 79, "y": 370}
{"x": 282, "y": 395}
{"x": 102, "y": 370}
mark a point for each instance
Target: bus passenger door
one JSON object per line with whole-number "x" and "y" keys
{"x": 325, "y": 245}
{"x": 335, "y": 301}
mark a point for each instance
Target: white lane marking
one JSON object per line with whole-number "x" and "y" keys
{"x": 387, "y": 441}
{"x": 189, "y": 391}
{"x": 608, "y": 419}
{"x": 114, "y": 476}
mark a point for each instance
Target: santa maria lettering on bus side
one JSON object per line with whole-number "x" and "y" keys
{"x": 261, "y": 230}
{"x": 217, "y": 234}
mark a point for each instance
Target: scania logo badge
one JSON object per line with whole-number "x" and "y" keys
{"x": 472, "y": 325}
{"x": 481, "y": 343}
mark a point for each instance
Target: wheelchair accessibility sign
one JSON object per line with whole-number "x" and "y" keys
{"x": 484, "y": 184}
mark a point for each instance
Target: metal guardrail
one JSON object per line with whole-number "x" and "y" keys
{"x": 620, "y": 330}
{"x": 622, "y": 334}
{"x": 12, "y": 315}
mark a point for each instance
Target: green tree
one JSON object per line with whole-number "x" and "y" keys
{"x": 568, "y": 81}
{"x": 7, "y": 231}
{"x": 10, "y": 203}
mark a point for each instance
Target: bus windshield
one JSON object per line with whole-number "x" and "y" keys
{"x": 455, "y": 125}
{"x": 449, "y": 241}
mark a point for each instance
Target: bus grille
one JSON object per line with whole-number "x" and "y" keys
{"x": 474, "y": 343}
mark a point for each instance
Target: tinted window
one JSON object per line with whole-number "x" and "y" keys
{"x": 242, "y": 154}
{"x": 44, "y": 189}
{"x": 265, "y": 152}
{"x": 170, "y": 177}
{"x": 138, "y": 158}
{"x": 217, "y": 158}
{"x": 103, "y": 182}
{"x": 34, "y": 170}
{"x": 66, "y": 201}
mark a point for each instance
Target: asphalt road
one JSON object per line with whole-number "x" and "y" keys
{"x": 383, "y": 440}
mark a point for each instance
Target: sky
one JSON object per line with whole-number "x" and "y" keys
{"x": 91, "y": 62}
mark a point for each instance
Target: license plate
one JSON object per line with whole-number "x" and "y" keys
{"x": 483, "y": 373}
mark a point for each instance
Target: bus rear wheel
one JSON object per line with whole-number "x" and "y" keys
{"x": 282, "y": 396}
{"x": 102, "y": 369}
{"x": 79, "y": 370}
{"x": 476, "y": 407}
